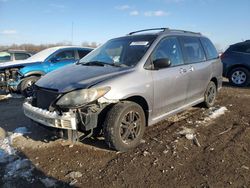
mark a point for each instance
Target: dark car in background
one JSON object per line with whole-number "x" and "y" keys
{"x": 236, "y": 64}
{"x": 13, "y": 55}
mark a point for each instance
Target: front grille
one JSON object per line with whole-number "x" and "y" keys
{"x": 44, "y": 98}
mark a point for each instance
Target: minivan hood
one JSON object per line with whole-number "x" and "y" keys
{"x": 18, "y": 63}
{"x": 79, "y": 76}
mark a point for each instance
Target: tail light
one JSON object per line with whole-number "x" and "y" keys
{"x": 222, "y": 55}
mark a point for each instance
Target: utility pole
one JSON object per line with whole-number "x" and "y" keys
{"x": 72, "y": 33}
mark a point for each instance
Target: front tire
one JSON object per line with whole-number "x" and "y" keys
{"x": 239, "y": 77}
{"x": 26, "y": 86}
{"x": 210, "y": 94}
{"x": 124, "y": 126}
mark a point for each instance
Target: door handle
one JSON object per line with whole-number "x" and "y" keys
{"x": 191, "y": 68}
{"x": 182, "y": 71}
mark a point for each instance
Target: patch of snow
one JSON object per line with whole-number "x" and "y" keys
{"x": 21, "y": 168}
{"x": 14, "y": 96}
{"x": 47, "y": 182}
{"x": 217, "y": 113}
{"x": 7, "y": 152}
{"x": 213, "y": 114}
{"x": 22, "y": 130}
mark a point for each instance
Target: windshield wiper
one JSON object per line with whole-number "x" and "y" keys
{"x": 100, "y": 63}
{"x": 118, "y": 65}
{"x": 94, "y": 63}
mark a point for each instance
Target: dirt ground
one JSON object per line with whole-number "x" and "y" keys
{"x": 219, "y": 157}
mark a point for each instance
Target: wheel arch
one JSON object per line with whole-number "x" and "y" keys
{"x": 142, "y": 102}
{"x": 34, "y": 73}
{"x": 215, "y": 80}
{"x": 236, "y": 66}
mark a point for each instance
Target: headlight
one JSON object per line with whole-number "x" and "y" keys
{"x": 2, "y": 77}
{"x": 82, "y": 97}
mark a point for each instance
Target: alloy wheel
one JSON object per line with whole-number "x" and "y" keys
{"x": 130, "y": 127}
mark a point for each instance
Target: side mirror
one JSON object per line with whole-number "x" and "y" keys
{"x": 54, "y": 60}
{"x": 161, "y": 63}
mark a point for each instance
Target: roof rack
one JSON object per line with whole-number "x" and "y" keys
{"x": 153, "y": 29}
{"x": 164, "y": 30}
{"x": 183, "y": 31}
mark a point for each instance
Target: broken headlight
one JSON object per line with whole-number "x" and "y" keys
{"x": 81, "y": 97}
{"x": 2, "y": 77}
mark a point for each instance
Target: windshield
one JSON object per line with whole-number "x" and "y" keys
{"x": 126, "y": 51}
{"x": 42, "y": 55}
{"x": 4, "y": 56}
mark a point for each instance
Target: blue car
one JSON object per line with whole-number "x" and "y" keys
{"x": 19, "y": 76}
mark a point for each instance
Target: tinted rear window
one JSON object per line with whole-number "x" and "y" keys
{"x": 5, "y": 56}
{"x": 243, "y": 48}
{"x": 193, "y": 51}
{"x": 21, "y": 56}
{"x": 209, "y": 48}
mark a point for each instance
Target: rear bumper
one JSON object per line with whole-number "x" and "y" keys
{"x": 51, "y": 119}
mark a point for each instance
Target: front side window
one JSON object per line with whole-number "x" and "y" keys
{"x": 126, "y": 51}
{"x": 65, "y": 55}
{"x": 5, "y": 56}
{"x": 21, "y": 56}
{"x": 169, "y": 48}
{"x": 193, "y": 51}
{"x": 209, "y": 48}
{"x": 83, "y": 53}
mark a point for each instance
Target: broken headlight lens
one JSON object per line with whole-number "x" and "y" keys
{"x": 82, "y": 97}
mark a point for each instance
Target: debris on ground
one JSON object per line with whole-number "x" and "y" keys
{"x": 187, "y": 132}
{"x": 190, "y": 135}
{"x": 229, "y": 129}
{"x": 74, "y": 175}
{"x": 245, "y": 167}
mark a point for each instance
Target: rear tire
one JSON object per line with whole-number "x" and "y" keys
{"x": 124, "y": 126}
{"x": 210, "y": 94}
{"x": 26, "y": 86}
{"x": 239, "y": 77}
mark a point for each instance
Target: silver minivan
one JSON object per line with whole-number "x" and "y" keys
{"x": 126, "y": 84}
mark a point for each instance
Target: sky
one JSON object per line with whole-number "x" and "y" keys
{"x": 51, "y": 21}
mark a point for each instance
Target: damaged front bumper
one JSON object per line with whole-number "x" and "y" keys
{"x": 67, "y": 120}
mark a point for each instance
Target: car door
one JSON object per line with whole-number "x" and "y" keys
{"x": 199, "y": 70}
{"x": 170, "y": 84}
{"x": 60, "y": 59}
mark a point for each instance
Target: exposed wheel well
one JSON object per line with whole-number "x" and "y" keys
{"x": 215, "y": 81}
{"x": 142, "y": 102}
